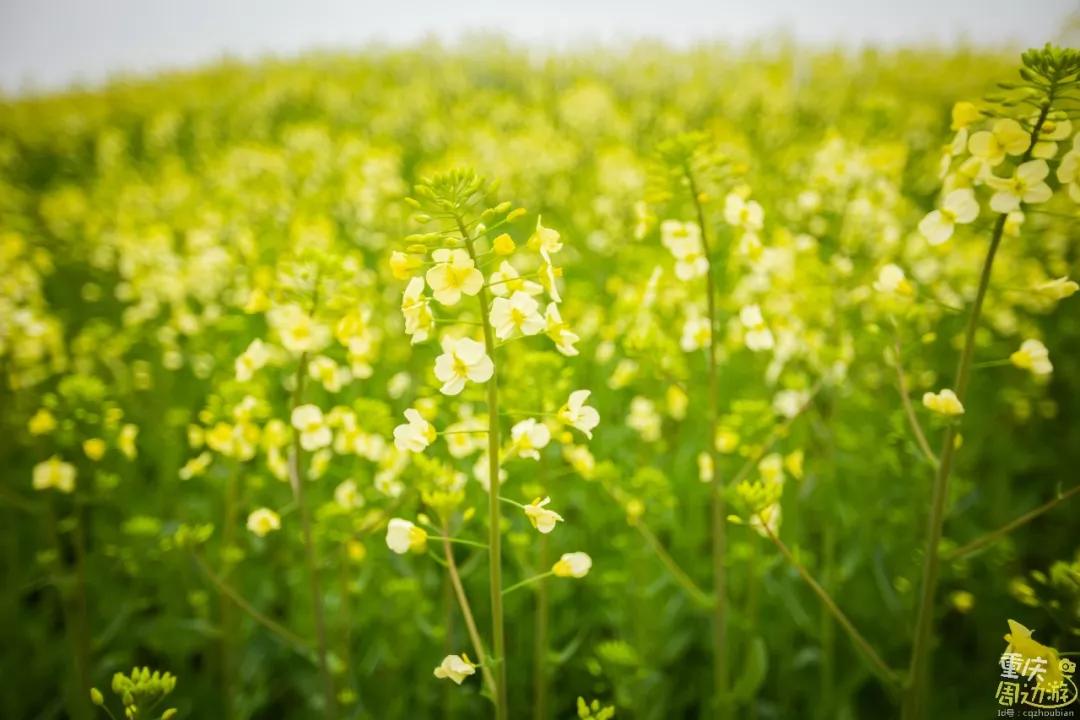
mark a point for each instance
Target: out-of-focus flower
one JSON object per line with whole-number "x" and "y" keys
{"x": 314, "y": 432}
{"x": 41, "y": 423}
{"x": 416, "y": 434}
{"x": 575, "y": 565}
{"x": 528, "y": 437}
{"x": 943, "y": 403}
{"x": 54, "y": 474}
{"x": 1058, "y": 289}
{"x": 559, "y": 331}
{"x": 579, "y": 415}
{"x": 263, "y": 521}
{"x": 403, "y": 536}
{"x": 891, "y": 280}
{"x": 251, "y": 360}
{"x": 757, "y": 336}
{"x": 1033, "y": 356}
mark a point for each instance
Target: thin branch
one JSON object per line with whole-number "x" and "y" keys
{"x": 273, "y": 626}
{"x": 697, "y": 594}
{"x": 466, "y": 612}
{"x": 1008, "y": 527}
{"x": 883, "y": 670}
{"x": 909, "y": 409}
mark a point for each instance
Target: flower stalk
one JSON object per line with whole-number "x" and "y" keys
{"x": 915, "y": 698}
{"x": 498, "y": 638}
{"x": 719, "y": 539}
{"x": 297, "y": 480}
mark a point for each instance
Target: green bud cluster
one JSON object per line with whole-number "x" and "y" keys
{"x": 140, "y": 692}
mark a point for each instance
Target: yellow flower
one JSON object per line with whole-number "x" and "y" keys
{"x": 503, "y": 245}
{"x": 695, "y": 333}
{"x": 683, "y": 240}
{"x": 252, "y": 359}
{"x": 1056, "y": 126}
{"x": 575, "y": 565}
{"x": 706, "y": 471}
{"x": 314, "y": 433}
{"x": 507, "y": 281}
{"x": 263, "y": 521}
{"x": 962, "y": 600}
{"x": 196, "y": 466}
{"x": 1032, "y": 356}
{"x": 347, "y": 495}
{"x": 456, "y": 668}
{"x": 529, "y": 436}
{"x": 944, "y": 402}
{"x": 964, "y": 114}
{"x": 559, "y": 331}
{"x": 42, "y": 423}
{"x": 453, "y": 274}
{"x": 541, "y": 518}
{"x": 416, "y": 434}
{"x": 757, "y": 336}
{"x": 891, "y": 280}
{"x": 56, "y": 474}
{"x": 958, "y": 207}
{"x": 1025, "y": 655}
{"x": 518, "y": 313}
{"x": 726, "y": 440}
{"x": 1027, "y": 185}
{"x": 126, "y": 440}
{"x": 1068, "y": 172}
{"x": 1059, "y": 288}
{"x": 1006, "y": 137}
{"x": 94, "y": 448}
{"x": 742, "y": 213}
{"x": 545, "y": 240}
{"x": 299, "y": 332}
{"x": 403, "y": 264}
{"x": 419, "y": 322}
{"x": 579, "y": 415}
{"x": 463, "y": 359}
{"x": 403, "y": 536}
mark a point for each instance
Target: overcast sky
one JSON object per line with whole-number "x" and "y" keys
{"x": 48, "y": 44}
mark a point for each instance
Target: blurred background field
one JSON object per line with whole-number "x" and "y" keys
{"x": 140, "y": 221}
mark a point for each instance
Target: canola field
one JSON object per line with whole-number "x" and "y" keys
{"x": 466, "y": 383}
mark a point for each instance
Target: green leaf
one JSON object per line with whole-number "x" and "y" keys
{"x": 754, "y": 670}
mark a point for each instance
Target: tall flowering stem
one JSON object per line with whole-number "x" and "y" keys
{"x": 719, "y": 538}
{"x": 915, "y": 699}
{"x": 498, "y": 636}
{"x": 296, "y": 479}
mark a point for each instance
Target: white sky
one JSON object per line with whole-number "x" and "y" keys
{"x": 48, "y": 44}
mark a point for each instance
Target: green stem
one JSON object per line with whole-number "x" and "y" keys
{"x": 466, "y": 613}
{"x": 527, "y": 581}
{"x": 297, "y": 480}
{"x": 540, "y": 642}
{"x": 1008, "y": 527}
{"x": 914, "y": 701}
{"x": 498, "y": 637}
{"x": 719, "y": 539}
